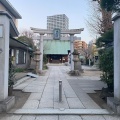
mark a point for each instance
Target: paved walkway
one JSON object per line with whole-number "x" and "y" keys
{"x": 44, "y": 98}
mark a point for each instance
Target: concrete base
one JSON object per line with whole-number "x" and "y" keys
{"x": 114, "y": 104}
{"x": 75, "y": 73}
{"x": 7, "y": 104}
{"x": 77, "y": 66}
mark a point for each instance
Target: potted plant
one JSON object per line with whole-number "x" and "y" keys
{"x": 11, "y": 78}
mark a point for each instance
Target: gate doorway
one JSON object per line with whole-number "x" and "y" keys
{"x": 57, "y": 58}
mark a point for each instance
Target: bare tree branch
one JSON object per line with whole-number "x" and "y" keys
{"x": 99, "y": 21}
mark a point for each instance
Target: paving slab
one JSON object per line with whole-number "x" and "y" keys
{"x": 47, "y": 96}
{"x": 56, "y": 97}
{"x": 89, "y": 91}
{"x": 22, "y": 86}
{"x": 91, "y": 105}
{"x": 21, "y": 81}
{"x": 111, "y": 117}
{"x": 36, "y": 84}
{"x": 31, "y": 104}
{"x": 62, "y": 111}
{"x": 84, "y": 97}
{"x": 92, "y": 117}
{"x": 46, "y": 103}
{"x": 91, "y": 88}
{"x": 75, "y": 103}
{"x": 47, "y": 117}
{"x": 48, "y": 90}
{"x": 63, "y": 104}
{"x": 33, "y": 89}
{"x": 69, "y": 92}
{"x": 69, "y": 117}
{"x": 35, "y": 96}
{"x": 44, "y": 98}
{"x": 11, "y": 117}
{"x": 28, "y": 117}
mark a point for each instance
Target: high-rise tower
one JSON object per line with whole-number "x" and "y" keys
{"x": 60, "y": 21}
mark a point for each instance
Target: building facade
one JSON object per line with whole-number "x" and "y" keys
{"x": 60, "y": 21}
{"x": 93, "y": 51}
{"x": 18, "y": 51}
{"x": 80, "y": 45}
{"x": 6, "y": 6}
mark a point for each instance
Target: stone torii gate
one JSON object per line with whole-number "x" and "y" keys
{"x": 71, "y": 32}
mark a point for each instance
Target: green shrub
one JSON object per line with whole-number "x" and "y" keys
{"x": 12, "y": 72}
{"x": 45, "y": 67}
{"x": 45, "y": 60}
{"x": 19, "y": 70}
{"x": 106, "y": 66}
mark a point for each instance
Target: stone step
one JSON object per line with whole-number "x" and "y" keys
{"x": 61, "y": 111}
{"x": 24, "y": 84}
{"x": 21, "y": 81}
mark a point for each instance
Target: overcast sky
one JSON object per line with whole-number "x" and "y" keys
{"x": 34, "y": 13}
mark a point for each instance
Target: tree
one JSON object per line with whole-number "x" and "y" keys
{"x": 105, "y": 39}
{"x": 28, "y": 41}
{"x": 106, "y": 58}
{"x": 26, "y": 36}
{"x": 100, "y": 20}
{"x": 94, "y": 19}
{"x": 110, "y": 5}
{"x": 27, "y": 33}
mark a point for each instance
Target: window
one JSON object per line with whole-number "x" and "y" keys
{"x": 20, "y": 57}
{"x": 12, "y": 52}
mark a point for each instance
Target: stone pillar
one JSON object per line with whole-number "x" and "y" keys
{"x": 117, "y": 58}
{"x": 89, "y": 62}
{"x": 37, "y": 60}
{"x": 4, "y": 56}
{"x": 72, "y": 50}
{"x": 68, "y": 59}
{"x": 114, "y": 103}
{"x": 41, "y": 51}
{"x": 5, "y": 102}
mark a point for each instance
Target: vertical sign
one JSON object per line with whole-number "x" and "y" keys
{"x": 1, "y": 31}
{"x": 56, "y": 34}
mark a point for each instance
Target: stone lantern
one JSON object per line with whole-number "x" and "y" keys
{"x": 37, "y": 60}
{"x": 77, "y": 64}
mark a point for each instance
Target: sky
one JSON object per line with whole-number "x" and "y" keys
{"x": 34, "y": 13}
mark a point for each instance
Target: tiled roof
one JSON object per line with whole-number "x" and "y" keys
{"x": 56, "y": 47}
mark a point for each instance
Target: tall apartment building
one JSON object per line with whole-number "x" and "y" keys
{"x": 60, "y": 21}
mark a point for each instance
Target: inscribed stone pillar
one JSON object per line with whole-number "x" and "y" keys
{"x": 72, "y": 49}
{"x": 4, "y": 55}
{"x": 41, "y": 50}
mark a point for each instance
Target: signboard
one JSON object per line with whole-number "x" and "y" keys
{"x": 56, "y": 34}
{"x": 1, "y": 31}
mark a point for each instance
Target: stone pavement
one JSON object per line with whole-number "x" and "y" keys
{"x": 43, "y": 103}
